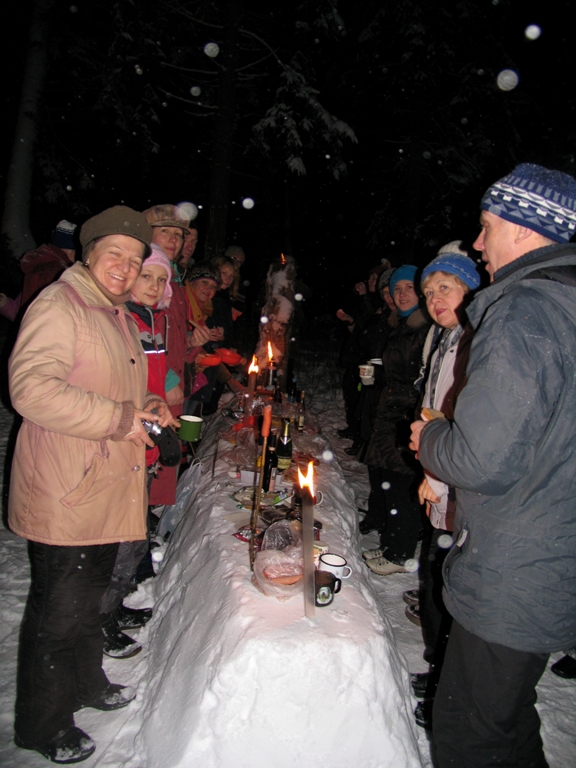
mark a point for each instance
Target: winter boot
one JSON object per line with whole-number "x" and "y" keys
{"x": 117, "y": 645}
{"x": 71, "y": 746}
{"x": 131, "y": 618}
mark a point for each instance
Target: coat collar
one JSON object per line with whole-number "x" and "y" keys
{"x": 562, "y": 254}
{"x": 79, "y": 278}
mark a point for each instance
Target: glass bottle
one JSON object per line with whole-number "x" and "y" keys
{"x": 270, "y": 465}
{"x": 284, "y": 447}
{"x": 301, "y": 412}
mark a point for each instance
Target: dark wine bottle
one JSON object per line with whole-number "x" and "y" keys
{"x": 270, "y": 465}
{"x": 301, "y": 412}
{"x": 277, "y": 397}
{"x": 284, "y": 447}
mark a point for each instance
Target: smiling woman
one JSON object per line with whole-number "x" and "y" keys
{"x": 78, "y": 378}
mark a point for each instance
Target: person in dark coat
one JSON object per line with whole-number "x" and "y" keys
{"x": 510, "y": 452}
{"x": 392, "y": 469}
{"x": 41, "y": 267}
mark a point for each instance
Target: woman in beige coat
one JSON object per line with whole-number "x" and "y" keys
{"x": 78, "y": 377}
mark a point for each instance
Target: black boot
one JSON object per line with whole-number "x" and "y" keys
{"x": 131, "y": 618}
{"x": 117, "y": 645}
{"x": 71, "y": 746}
{"x": 565, "y": 667}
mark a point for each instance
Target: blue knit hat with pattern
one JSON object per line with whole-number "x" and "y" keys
{"x": 537, "y": 198}
{"x": 454, "y": 264}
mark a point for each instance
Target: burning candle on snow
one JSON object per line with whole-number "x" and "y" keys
{"x": 252, "y": 375}
{"x": 306, "y": 483}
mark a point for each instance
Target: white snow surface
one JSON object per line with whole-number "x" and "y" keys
{"x": 230, "y": 678}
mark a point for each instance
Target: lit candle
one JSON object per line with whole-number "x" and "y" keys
{"x": 306, "y": 484}
{"x": 252, "y": 375}
{"x": 271, "y": 367}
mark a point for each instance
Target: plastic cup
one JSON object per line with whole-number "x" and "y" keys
{"x": 189, "y": 428}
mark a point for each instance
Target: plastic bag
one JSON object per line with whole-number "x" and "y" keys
{"x": 246, "y": 451}
{"x": 282, "y": 534}
{"x": 274, "y": 570}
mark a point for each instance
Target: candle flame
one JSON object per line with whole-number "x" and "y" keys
{"x": 282, "y": 258}
{"x": 270, "y": 353}
{"x": 307, "y": 481}
{"x": 253, "y": 365}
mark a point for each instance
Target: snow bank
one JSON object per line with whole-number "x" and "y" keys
{"x": 240, "y": 679}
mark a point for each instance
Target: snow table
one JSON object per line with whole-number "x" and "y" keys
{"x": 241, "y": 680}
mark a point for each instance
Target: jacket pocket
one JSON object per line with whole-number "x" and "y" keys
{"x": 454, "y": 555}
{"x": 75, "y": 496}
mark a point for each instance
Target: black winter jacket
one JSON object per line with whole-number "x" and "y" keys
{"x": 388, "y": 446}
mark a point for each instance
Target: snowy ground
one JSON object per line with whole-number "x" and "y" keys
{"x": 116, "y": 733}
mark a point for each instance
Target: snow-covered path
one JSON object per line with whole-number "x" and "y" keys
{"x": 115, "y": 733}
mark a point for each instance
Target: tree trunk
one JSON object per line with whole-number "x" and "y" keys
{"x": 279, "y": 309}
{"x": 219, "y": 189}
{"x": 16, "y": 216}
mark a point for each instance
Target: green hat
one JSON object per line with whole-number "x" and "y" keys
{"x": 119, "y": 220}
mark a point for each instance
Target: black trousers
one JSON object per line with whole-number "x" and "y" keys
{"x": 60, "y": 654}
{"x": 435, "y": 619}
{"x": 402, "y": 517}
{"x": 484, "y": 714}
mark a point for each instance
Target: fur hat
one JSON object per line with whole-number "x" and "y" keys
{"x": 536, "y": 198}
{"x": 166, "y": 216}
{"x": 159, "y": 258}
{"x": 119, "y": 220}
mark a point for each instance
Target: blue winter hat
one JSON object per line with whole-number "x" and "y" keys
{"x": 454, "y": 264}
{"x": 537, "y": 198}
{"x": 405, "y": 272}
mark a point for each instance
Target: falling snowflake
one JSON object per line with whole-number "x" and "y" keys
{"x": 212, "y": 50}
{"x": 248, "y": 203}
{"x": 533, "y": 32}
{"x": 195, "y": 90}
{"x": 507, "y": 80}
{"x": 327, "y": 456}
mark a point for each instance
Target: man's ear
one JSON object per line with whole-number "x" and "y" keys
{"x": 523, "y": 233}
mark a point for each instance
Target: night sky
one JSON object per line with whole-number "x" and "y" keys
{"x": 131, "y": 106}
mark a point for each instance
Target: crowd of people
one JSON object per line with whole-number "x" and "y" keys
{"x": 462, "y": 417}
{"x": 458, "y": 400}
{"x": 108, "y": 347}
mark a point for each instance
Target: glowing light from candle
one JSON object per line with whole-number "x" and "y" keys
{"x": 270, "y": 353}
{"x": 282, "y": 259}
{"x": 253, "y": 365}
{"x": 307, "y": 480}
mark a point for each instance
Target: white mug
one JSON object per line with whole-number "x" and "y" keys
{"x": 336, "y": 564}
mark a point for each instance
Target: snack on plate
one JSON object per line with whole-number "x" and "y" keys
{"x": 429, "y": 414}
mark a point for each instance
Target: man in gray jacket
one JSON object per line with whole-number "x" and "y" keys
{"x": 510, "y": 578}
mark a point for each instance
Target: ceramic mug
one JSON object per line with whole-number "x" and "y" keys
{"x": 366, "y": 370}
{"x": 326, "y": 585}
{"x": 335, "y": 564}
{"x": 189, "y": 430}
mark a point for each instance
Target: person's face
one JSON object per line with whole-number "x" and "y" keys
{"x": 190, "y": 242}
{"x": 115, "y": 261}
{"x": 444, "y": 296}
{"x": 372, "y": 280}
{"x": 226, "y": 276}
{"x": 170, "y": 239}
{"x": 150, "y": 284}
{"x": 239, "y": 258}
{"x": 204, "y": 288}
{"x": 495, "y": 242}
{"x": 404, "y": 295}
{"x": 389, "y": 301}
